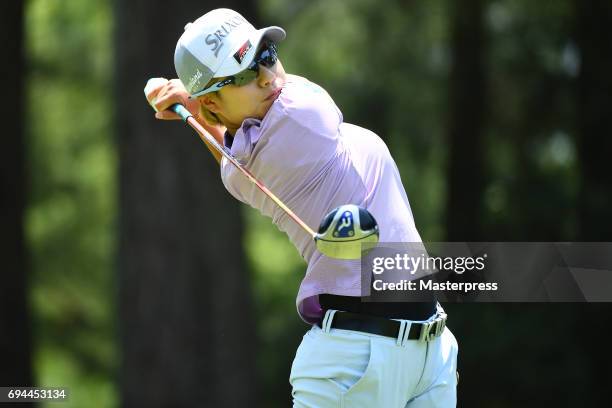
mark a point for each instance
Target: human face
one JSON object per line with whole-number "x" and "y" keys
{"x": 266, "y": 56}
{"x": 233, "y": 104}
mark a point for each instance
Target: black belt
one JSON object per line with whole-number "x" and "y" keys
{"x": 411, "y": 310}
{"x": 425, "y": 331}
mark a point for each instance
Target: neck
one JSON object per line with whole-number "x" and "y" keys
{"x": 232, "y": 129}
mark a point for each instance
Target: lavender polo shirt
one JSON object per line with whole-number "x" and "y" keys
{"x": 313, "y": 161}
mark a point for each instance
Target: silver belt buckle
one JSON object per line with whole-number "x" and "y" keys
{"x": 425, "y": 332}
{"x": 438, "y": 324}
{"x": 442, "y": 324}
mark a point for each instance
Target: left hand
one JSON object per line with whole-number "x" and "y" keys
{"x": 162, "y": 93}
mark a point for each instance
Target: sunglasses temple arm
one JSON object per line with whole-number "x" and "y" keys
{"x": 210, "y": 141}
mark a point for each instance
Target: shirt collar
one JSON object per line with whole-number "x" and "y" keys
{"x": 228, "y": 140}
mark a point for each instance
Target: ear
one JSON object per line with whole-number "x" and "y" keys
{"x": 210, "y": 102}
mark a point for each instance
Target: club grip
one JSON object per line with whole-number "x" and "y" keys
{"x": 181, "y": 111}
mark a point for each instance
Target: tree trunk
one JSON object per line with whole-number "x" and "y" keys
{"x": 594, "y": 98}
{"x": 15, "y": 369}
{"x": 465, "y": 144}
{"x": 594, "y": 121}
{"x": 186, "y": 327}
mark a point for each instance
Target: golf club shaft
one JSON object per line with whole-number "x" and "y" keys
{"x": 210, "y": 140}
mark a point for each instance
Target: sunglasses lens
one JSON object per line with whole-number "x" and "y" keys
{"x": 272, "y": 54}
{"x": 267, "y": 57}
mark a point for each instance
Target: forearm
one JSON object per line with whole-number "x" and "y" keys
{"x": 162, "y": 94}
{"x": 216, "y": 132}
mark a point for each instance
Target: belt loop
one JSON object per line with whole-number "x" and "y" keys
{"x": 407, "y": 332}
{"x": 400, "y": 335}
{"x": 327, "y": 321}
{"x": 439, "y": 309}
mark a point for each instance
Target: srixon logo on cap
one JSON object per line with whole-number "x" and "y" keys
{"x": 239, "y": 55}
{"x": 216, "y": 39}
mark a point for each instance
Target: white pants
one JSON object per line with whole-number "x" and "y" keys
{"x": 344, "y": 368}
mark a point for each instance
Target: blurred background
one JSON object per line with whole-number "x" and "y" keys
{"x": 132, "y": 277}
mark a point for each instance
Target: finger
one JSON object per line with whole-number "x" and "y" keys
{"x": 166, "y": 100}
{"x": 167, "y": 115}
{"x": 153, "y": 87}
{"x": 154, "y": 83}
{"x": 176, "y": 83}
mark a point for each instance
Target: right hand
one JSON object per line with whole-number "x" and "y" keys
{"x": 162, "y": 93}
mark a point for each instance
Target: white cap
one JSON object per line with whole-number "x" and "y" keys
{"x": 218, "y": 44}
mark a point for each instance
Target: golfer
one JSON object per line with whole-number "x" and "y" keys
{"x": 291, "y": 135}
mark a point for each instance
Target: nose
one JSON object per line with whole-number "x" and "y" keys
{"x": 266, "y": 76}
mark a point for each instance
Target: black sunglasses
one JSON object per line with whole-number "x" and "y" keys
{"x": 266, "y": 56}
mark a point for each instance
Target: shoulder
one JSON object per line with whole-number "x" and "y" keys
{"x": 304, "y": 102}
{"x": 300, "y": 93}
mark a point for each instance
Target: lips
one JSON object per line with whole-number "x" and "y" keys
{"x": 274, "y": 94}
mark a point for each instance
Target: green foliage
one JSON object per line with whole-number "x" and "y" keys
{"x": 387, "y": 68}
{"x": 72, "y": 198}
{"x": 277, "y": 272}
{"x": 532, "y": 62}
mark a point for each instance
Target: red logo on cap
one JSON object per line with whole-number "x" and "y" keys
{"x": 239, "y": 55}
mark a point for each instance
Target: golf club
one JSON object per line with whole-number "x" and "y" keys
{"x": 342, "y": 231}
